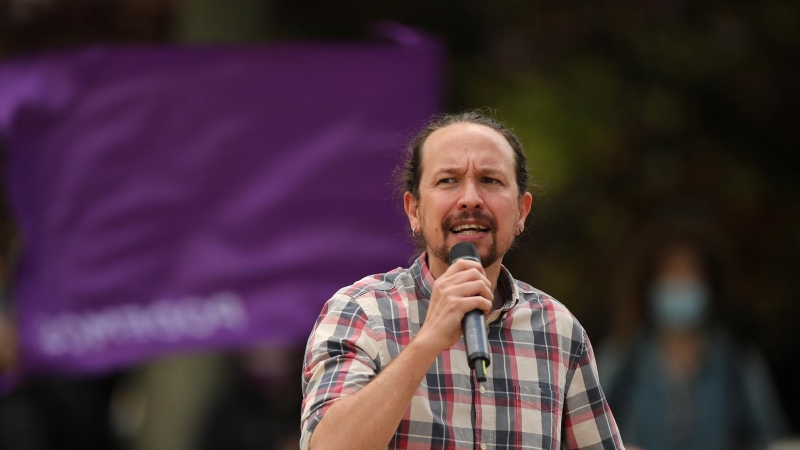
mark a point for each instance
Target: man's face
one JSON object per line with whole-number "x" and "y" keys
{"x": 467, "y": 193}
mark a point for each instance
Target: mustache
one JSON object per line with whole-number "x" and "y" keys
{"x": 477, "y": 216}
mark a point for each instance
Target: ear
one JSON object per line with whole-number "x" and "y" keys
{"x": 411, "y": 206}
{"x": 525, "y": 203}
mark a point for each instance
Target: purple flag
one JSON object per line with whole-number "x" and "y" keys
{"x": 182, "y": 198}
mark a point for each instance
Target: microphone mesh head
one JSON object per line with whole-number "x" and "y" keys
{"x": 464, "y": 250}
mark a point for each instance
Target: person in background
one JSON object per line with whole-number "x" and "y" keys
{"x": 683, "y": 383}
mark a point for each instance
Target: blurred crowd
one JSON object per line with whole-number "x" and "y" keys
{"x": 239, "y": 401}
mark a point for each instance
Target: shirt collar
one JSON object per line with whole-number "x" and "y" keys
{"x": 422, "y": 275}
{"x": 511, "y": 292}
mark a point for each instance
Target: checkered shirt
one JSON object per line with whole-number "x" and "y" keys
{"x": 542, "y": 390}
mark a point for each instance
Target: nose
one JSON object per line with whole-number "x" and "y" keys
{"x": 470, "y": 197}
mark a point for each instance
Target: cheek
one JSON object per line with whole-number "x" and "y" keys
{"x": 508, "y": 225}
{"x": 434, "y": 215}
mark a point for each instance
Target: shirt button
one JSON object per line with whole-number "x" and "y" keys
{"x": 483, "y": 446}
{"x": 483, "y": 391}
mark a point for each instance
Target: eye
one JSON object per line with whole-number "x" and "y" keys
{"x": 446, "y": 181}
{"x": 489, "y": 180}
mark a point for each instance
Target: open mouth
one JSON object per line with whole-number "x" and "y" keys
{"x": 469, "y": 229}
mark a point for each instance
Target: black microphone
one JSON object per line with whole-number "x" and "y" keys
{"x": 473, "y": 324}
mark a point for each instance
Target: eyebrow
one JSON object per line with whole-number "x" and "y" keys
{"x": 448, "y": 170}
{"x": 492, "y": 171}
{"x": 456, "y": 170}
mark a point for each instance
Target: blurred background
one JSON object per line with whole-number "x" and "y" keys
{"x": 661, "y": 137}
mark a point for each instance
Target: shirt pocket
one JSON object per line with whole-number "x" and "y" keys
{"x": 537, "y": 396}
{"x": 539, "y": 415}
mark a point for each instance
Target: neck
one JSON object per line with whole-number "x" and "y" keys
{"x": 682, "y": 352}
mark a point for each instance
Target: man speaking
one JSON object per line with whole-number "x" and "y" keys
{"x": 386, "y": 365}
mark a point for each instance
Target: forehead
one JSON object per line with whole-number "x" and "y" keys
{"x": 459, "y": 143}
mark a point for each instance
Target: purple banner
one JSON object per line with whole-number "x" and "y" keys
{"x": 183, "y": 198}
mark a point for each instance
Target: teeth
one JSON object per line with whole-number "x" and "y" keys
{"x": 469, "y": 228}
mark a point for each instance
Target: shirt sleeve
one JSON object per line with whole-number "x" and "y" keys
{"x": 588, "y": 422}
{"x": 341, "y": 358}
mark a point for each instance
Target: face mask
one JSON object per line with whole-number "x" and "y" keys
{"x": 679, "y": 305}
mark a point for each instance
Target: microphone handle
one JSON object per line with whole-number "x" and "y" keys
{"x": 474, "y": 328}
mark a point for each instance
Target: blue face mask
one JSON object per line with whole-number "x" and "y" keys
{"x": 679, "y": 305}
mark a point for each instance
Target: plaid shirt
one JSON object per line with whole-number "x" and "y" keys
{"x": 542, "y": 389}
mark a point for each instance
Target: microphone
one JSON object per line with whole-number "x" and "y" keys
{"x": 473, "y": 324}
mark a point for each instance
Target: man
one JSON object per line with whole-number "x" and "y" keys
{"x": 385, "y": 363}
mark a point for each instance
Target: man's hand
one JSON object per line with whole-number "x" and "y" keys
{"x": 462, "y": 288}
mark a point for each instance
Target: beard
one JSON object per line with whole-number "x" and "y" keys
{"x": 442, "y": 252}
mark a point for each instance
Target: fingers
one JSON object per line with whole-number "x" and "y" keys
{"x": 477, "y": 302}
{"x": 462, "y": 288}
{"x": 465, "y": 270}
{"x": 462, "y": 265}
{"x": 466, "y": 276}
{"x": 463, "y": 280}
{"x": 469, "y": 290}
